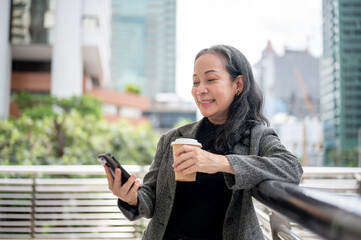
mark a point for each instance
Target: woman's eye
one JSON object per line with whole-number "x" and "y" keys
{"x": 195, "y": 83}
{"x": 211, "y": 80}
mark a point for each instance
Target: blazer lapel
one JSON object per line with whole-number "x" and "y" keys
{"x": 171, "y": 176}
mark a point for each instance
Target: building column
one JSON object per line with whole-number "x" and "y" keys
{"x": 67, "y": 58}
{"x": 5, "y": 59}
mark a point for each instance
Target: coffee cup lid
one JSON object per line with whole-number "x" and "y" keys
{"x": 188, "y": 141}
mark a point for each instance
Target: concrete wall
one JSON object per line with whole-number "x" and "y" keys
{"x": 5, "y": 59}
{"x": 67, "y": 59}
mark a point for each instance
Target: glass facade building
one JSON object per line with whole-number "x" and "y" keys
{"x": 143, "y": 45}
{"x": 341, "y": 74}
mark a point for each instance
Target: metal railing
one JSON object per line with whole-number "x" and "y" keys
{"x": 28, "y": 192}
{"x": 62, "y": 202}
{"x": 331, "y": 213}
{"x": 332, "y": 216}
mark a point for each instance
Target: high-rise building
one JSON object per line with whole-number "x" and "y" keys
{"x": 341, "y": 74}
{"x": 290, "y": 82}
{"x": 57, "y": 47}
{"x": 61, "y": 48}
{"x": 143, "y": 45}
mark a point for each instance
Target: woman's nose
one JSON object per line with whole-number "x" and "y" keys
{"x": 201, "y": 89}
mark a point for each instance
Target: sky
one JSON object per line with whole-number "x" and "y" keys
{"x": 246, "y": 25}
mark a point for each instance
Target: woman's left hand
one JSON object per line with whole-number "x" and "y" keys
{"x": 192, "y": 159}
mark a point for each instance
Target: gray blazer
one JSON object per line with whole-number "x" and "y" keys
{"x": 265, "y": 158}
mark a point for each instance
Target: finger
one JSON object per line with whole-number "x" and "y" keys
{"x": 135, "y": 187}
{"x": 179, "y": 159}
{"x": 118, "y": 177}
{"x": 109, "y": 176}
{"x": 132, "y": 195}
{"x": 127, "y": 186}
{"x": 184, "y": 149}
{"x": 184, "y": 165}
{"x": 186, "y": 156}
{"x": 189, "y": 170}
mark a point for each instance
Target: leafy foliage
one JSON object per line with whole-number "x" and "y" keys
{"x": 344, "y": 158}
{"x": 132, "y": 88}
{"x": 75, "y": 133}
{"x": 38, "y": 106}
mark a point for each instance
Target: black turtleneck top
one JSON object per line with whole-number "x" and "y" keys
{"x": 200, "y": 206}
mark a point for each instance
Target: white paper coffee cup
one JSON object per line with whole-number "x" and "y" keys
{"x": 179, "y": 142}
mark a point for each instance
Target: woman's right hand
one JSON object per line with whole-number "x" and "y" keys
{"x": 128, "y": 192}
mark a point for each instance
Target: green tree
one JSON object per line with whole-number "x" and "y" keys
{"x": 344, "y": 158}
{"x": 79, "y": 133}
{"x": 132, "y": 88}
{"x": 39, "y": 106}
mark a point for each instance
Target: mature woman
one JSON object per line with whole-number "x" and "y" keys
{"x": 238, "y": 152}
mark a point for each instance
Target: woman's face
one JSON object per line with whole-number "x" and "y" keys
{"x": 213, "y": 90}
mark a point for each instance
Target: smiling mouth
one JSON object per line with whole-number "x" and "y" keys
{"x": 207, "y": 102}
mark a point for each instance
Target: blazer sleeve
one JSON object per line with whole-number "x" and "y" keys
{"x": 268, "y": 159}
{"x": 147, "y": 191}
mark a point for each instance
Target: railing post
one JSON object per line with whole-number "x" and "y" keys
{"x": 276, "y": 220}
{"x": 358, "y": 178}
{"x": 281, "y": 228}
{"x": 33, "y": 196}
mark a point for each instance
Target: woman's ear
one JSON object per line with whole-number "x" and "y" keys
{"x": 240, "y": 84}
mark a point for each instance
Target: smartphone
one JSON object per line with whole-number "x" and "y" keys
{"x": 109, "y": 160}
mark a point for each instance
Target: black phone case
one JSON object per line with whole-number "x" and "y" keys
{"x": 109, "y": 160}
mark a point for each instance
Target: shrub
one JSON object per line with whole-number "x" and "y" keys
{"x": 75, "y": 133}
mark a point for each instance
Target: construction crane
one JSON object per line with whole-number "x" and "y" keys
{"x": 309, "y": 107}
{"x": 304, "y": 91}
